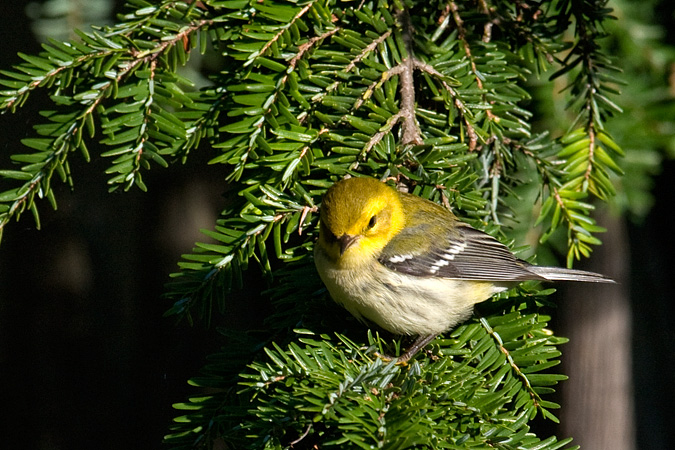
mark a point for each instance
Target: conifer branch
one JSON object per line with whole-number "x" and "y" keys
{"x": 306, "y": 94}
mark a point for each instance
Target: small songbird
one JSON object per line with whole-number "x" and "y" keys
{"x": 409, "y": 265}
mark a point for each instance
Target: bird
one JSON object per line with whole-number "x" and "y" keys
{"x": 408, "y": 265}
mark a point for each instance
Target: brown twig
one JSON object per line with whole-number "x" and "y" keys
{"x": 410, "y": 130}
{"x": 304, "y": 48}
{"x": 302, "y": 436}
{"x": 367, "y": 49}
{"x": 377, "y": 137}
{"x": 284, "y": 29}
{"x": 305, "y": 210}
{"x": 487, "y": 34}
{"x": 487, "y": 28}
{"x": 473, "y": 137}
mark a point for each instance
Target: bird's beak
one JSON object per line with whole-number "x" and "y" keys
{"x": 346, "y": 241}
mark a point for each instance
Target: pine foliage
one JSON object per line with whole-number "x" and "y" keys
{"x": 432, "y": 96}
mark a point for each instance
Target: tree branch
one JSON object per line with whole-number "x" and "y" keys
{"x": 410, "y": 129}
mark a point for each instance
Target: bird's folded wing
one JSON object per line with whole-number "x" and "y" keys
{"x": 463, "y": 253}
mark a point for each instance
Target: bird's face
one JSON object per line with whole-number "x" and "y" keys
{"x": 358, "y": 212}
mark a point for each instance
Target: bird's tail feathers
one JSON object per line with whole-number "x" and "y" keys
{"x": 561, "y": 274}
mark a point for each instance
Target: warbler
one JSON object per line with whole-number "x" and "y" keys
{"x": 409, "y": 265}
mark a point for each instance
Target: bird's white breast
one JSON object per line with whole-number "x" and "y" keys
{"x": 400, "y": 303}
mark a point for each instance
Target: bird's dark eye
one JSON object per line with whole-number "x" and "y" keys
{"x": 373, "y": 221}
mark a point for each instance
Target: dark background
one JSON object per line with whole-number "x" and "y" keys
{"x": 86, "y": 359}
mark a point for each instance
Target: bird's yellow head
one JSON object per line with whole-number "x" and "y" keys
{"x": 359, "y": 216}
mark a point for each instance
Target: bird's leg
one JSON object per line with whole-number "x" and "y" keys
{"x": 416, "y": 346}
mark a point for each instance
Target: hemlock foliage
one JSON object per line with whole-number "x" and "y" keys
{"x": 432, "y": 96}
